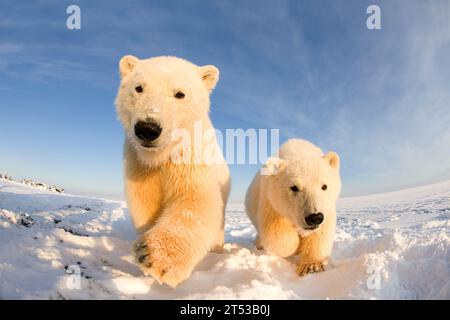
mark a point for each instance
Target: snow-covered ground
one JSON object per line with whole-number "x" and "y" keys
{"x": 388, "y": 246}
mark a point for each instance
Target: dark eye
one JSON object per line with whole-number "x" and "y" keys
{"x": 139, "y": 89}
{"x": 179, "y": 95}
{"x": 324, "y": 187}
{"x": 295, "y": 189}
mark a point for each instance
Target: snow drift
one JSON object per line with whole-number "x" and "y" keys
{"x": 388, "y": 246}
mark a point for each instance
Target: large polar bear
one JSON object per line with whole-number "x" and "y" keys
{"x": 292, "y": 203}
{"x": 177, "y": 207}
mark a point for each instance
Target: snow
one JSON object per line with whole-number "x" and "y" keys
{"x": 388, "y": 246}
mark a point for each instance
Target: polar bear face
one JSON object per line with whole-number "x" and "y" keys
{"x": 159, "y": 95}
{"x": 304, "y": 190}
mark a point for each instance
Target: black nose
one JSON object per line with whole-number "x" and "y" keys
{"x": 147, "y": 131}
{"x": 314, "y": 219}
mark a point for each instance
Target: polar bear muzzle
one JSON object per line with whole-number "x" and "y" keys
{"x": 313, "y": 220}
{"x": 147, "y": 132}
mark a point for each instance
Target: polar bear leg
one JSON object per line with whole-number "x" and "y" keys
{"x": 277, "y": 235}
{"x": 315, "y": 248}
{"x": 171, "y": 249}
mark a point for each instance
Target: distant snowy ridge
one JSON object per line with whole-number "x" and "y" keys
{"x": 5, "y": 176}
{"x": 388, "y": 246}
{"x": 32, "y": 183}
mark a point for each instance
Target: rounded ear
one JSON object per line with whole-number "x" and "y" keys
{"x": 210, "y": 76}
{"x": 273, "y": 166}
{"x": 127, "y": 64}
{"x": 333, "y": 159}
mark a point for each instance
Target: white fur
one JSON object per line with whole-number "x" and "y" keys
{"x": 279, "y": 214}
{"x": 177, "y": 208}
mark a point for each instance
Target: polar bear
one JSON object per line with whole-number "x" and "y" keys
{"x": 292, "y": 204}
{"x": 177, "y": 207}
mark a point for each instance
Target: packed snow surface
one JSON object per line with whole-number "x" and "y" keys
{"x": 388, "y": 246}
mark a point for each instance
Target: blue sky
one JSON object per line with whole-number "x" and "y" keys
{"x": 380, "y": 98}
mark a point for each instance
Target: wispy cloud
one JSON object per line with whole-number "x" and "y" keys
{"x": 384, "y": 107}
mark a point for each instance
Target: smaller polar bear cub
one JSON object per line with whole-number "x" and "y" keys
{"x": 292, "y": 203}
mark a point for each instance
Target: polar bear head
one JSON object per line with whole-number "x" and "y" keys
{"x": 159, "y": 95}
{"x": 304, "y": 190}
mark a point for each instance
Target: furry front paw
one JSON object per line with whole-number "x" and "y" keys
{"x": 163, "y": 257}
{"x": 311, "y": 267}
